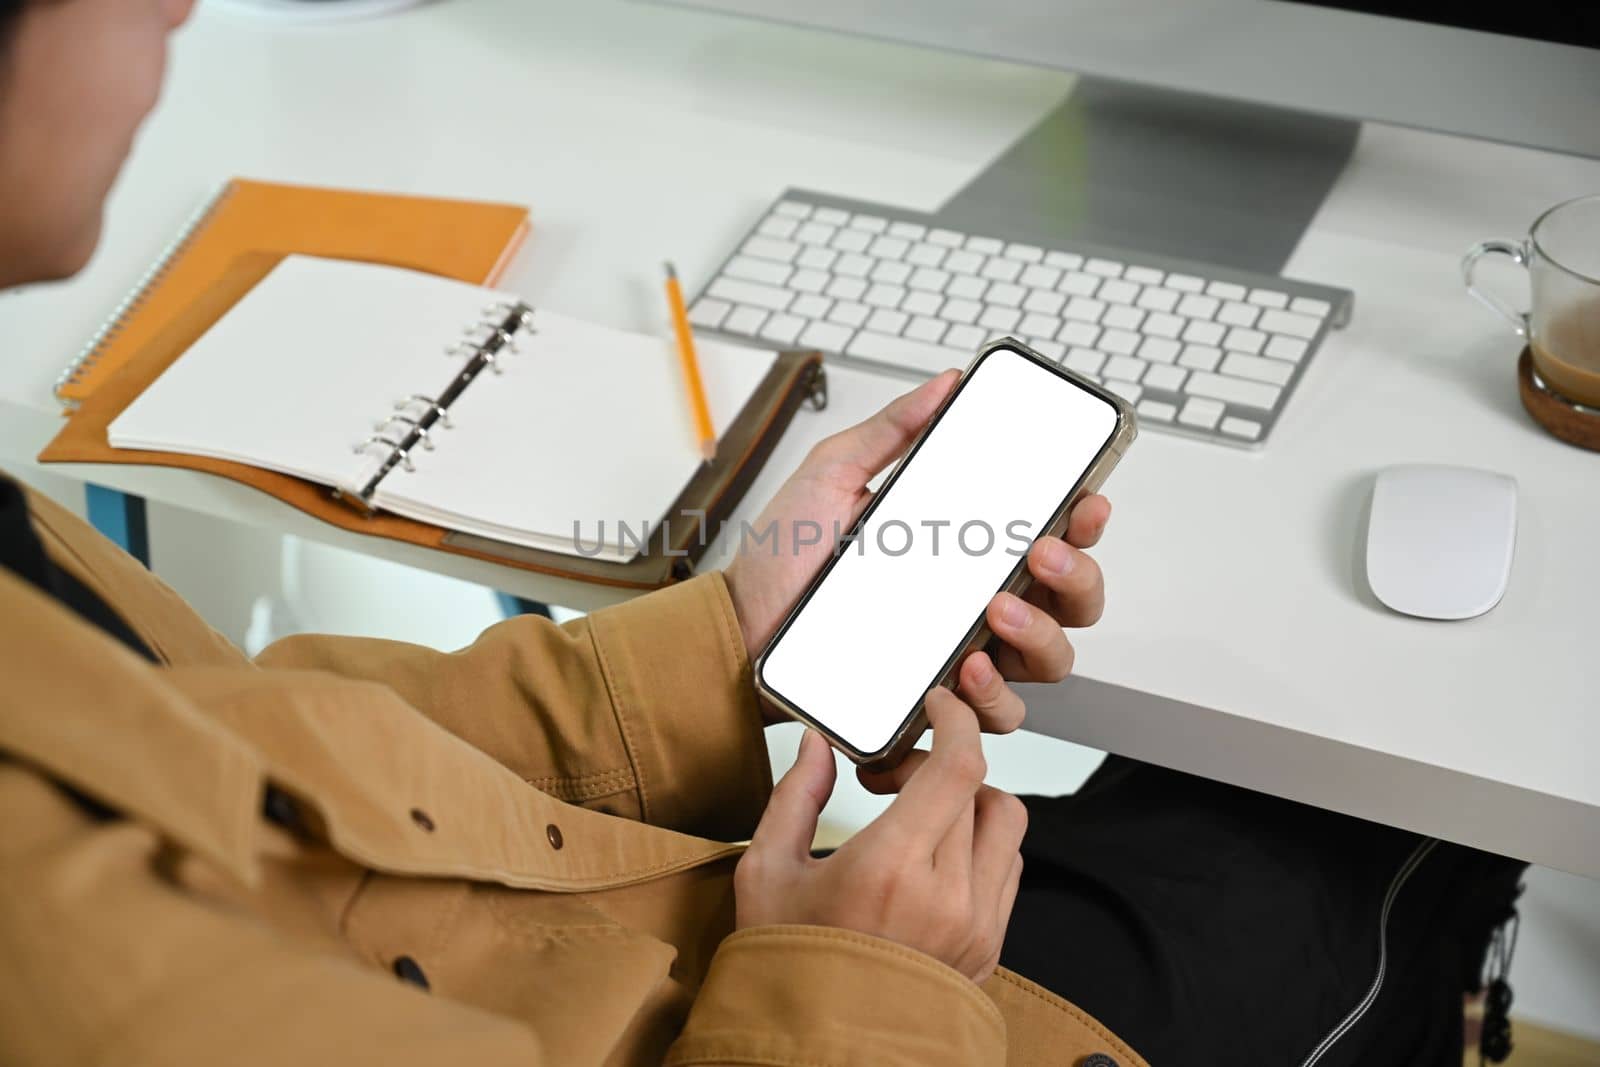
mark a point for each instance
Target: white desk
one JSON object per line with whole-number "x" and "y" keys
{"x": 1236, "y": 593}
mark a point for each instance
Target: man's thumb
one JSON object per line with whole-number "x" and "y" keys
{"x": 790, "y": 821}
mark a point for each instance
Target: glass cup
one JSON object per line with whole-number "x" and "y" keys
{"x": 1562, "y": 257}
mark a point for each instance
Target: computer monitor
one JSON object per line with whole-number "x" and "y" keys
{"x": 1213, "y": 129}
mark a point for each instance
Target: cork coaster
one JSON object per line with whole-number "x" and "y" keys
{"x": 1571, "y": 422}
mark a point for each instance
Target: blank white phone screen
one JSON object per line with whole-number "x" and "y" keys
{"x": 876, "y": 633}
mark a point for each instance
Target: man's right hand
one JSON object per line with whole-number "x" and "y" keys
{"x": 937, "y": 872}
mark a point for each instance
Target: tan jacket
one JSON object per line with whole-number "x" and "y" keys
{"x": 511, "y": 854}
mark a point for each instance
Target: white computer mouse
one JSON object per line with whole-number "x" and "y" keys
{"x": 1440, "y": 539}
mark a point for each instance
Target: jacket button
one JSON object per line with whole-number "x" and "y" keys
{"x": 1097, "y": 1059}
{"x": 553, "y": 833}
{"x": 407, "y": 970}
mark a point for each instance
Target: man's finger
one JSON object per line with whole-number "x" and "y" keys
{"x": 1036, "y": 649}
{"x": 1000, "y": 710}
{"x": 942, "y": 788}
{"x": 789, "y": 824}
{"x": 891, "y": 781}
{"x": 1074, "y": 580}
{"x": 872, "y": 445}
{"x": 1088, "y": 521}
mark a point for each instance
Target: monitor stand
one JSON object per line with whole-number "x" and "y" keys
{"x": 1171, "y": 173}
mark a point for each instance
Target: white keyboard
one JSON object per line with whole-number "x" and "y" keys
{"x": 1196, "y": 349}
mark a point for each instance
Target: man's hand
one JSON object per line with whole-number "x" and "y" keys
{"x": 830, "y": 489}
{"x": 937, "y": 872}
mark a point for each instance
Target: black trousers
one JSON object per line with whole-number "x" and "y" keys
{"x": 1207, "y": 924}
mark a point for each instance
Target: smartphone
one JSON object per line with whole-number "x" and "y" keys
{"x": 901, "y": 602}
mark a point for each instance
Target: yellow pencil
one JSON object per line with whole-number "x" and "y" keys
{"x": 691, "y": 366}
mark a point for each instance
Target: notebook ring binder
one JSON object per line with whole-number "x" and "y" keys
{"x": 399, "y": 451}
{"x": 416, "y": 425}
{"x": 439, "y": 410}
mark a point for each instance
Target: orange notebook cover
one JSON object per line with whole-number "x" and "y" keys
{"x": 468, "y": 240}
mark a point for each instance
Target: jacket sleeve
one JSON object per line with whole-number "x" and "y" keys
{"x": 644, "y": 710}
{"x": 857, "y": 998}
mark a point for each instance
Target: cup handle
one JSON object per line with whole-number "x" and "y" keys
{"x": 1469, "y": 263}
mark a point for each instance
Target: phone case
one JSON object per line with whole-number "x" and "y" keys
{"x": 1017, "y": 583}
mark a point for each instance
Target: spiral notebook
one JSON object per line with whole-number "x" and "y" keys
{"x": 445, "y": 403}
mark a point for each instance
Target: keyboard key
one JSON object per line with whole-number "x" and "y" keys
{"x": 744, "y": 320}
{"x": 1123, "y": 317}
{"x": 1232, "y": 390}
{"x": 1158, "y": 410}
{"x": 1198, "y": 307}
{"x": 1106, "y": 268}
{"x": 1288, "y": 322}
{"x": 1120, "y": 342}
{"x": 963, "y": 262}
{"x": 1129, "y": 368}
{"x": 1161, "y": 376}
{"x": 1079, "y": 333}
{"x": 853, "y": 266}
{"x": 792, "y": 208}
{"x": 1036, "y": 325}
{"x": 1161, "y": 324}
{"x": 1026, "y": 253}
{"x": 1006, "y": 294}
{"x": 1158, "y": 299}
{"x": 885, "y": 296}
{"x": 1037, "y": 277}
{"x": 901, "y": 350}
{"x": 826, "y": 335}
{"x": 1044, "y": 301}
{"x": 966, "y": 287}
{"x": 1083, "y": 309}
{"x": 1186, "y": 283}
{"x": 1241, "y": 428}
{"x": 1306, "y": 305}
{"x": 1159, "y": 349}
{"x": 923, "y": 328}
{"x": 888, "y": 248}
{"x": 1077, "y": 283}
{"x": 995, "y": 317}
{"x": 890, "y": 271}
{"x": 810, "y": 306}
{"x": 1289, "y": 348}
{"x": 783, "y": 328}
{"x": 815, "y": 233}
{"x": 770, "y": 248}
{"x": 778, "y": 226}
{"x": 965, "y": 340}
{"x": 870, "y": 223}
{"x": 923, "y": 254}
{"x": 946, "y": 238}
{"x": 1126, "y": 390}
{"x": 852, "y": 240}
{"x": 752, "y": 269}
{"x": 842, "y": 288}
{"x": 849, "y": 314}
{"x": 1203, "y": 332}
{"x": 921, "y": 302}
{"x": 911, "y": 231}
{"x": 1268, "y": 298}
{"x": 1117, "y": 291}
{"x": 987, "y": 246}
{"x": 1234, "y": 313}
{"x": 1257, "y": 369}
{"x": 1001, "y": 270}
{"x": 1063, "y": 260}
{"x": 1051, "y": 350}
{"x": 831, "y": 215}
{"x": 1200, "y": 357}
{"x": 737, "y": 291}
{"x": 809, "y": 281}
{"x": 1145, "y": 275}
{"x": 816, "y": 258}
{"x": 1201, "y": 412}
{"x": 885, "y": 321}
{"x": 709, "y": 312}
{"x": 1083, "y": 360}
{"x": 961, "y": 310}
{"x": 1249, "y": 341}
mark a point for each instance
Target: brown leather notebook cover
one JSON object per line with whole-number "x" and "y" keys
{"x": 461, "y": 239}
{"x": 715, "y": 490}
